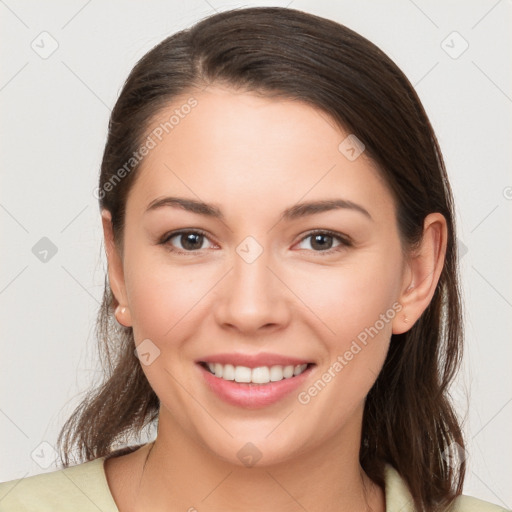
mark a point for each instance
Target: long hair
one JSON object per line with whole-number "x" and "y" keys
{"x": 408, "y": 419}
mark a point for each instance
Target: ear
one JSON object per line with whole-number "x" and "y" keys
{"x": 115, "y": 270}
{"x": 422, "y": 272}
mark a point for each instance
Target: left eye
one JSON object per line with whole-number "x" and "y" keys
{"x": 322, "y": 241}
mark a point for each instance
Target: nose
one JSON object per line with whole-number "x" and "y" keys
{"x": 252, "y": 298}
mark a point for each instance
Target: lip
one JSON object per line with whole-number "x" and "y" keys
{"x": 253, "y": 360}
{"x": 250, "y": 395}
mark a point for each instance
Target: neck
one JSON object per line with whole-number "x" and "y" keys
{"x": 179, "y": 473}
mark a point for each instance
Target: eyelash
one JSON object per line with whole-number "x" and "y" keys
{"x": 344, "y": 240}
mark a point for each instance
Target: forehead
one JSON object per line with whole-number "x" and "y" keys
{"x": 236, "y": 146}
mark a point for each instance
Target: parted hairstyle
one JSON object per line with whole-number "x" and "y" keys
{"x": 409, "y": 421}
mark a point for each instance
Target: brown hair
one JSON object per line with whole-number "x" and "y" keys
{"x": 408, "y": 421}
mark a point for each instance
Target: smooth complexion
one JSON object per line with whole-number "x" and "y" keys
{"x": 253, "y": 158}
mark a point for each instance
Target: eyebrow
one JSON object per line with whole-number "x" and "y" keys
{"x": 294, "y": 212}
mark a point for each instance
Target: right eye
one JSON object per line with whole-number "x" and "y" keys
{"x": 188, "y": 241}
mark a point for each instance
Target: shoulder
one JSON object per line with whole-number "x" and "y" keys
{"x": 82, "y": 487}
{"x": 399, "y": 499}
{"x": 469, "y": 504}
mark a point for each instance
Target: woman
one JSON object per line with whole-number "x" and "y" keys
{"x": 281, "y": 253}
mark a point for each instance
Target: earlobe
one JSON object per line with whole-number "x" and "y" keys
{"x": 424, "y": 268}
{"x": 115, "y": 270}
{"x": 122, "y": 316}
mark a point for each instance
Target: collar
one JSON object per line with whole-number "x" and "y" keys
{"x": 398, "y": 497}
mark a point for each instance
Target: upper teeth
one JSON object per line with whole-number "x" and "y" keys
{"x": 259, "y": 375}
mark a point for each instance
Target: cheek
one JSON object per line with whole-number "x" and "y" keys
{"x": 351, "y": 298}
{"x": 165, "y": 307}
{"x": 356, "y": 305}
{"x": 163, "y": 298}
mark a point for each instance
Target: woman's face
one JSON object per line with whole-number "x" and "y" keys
{"x": 262, "y": 285}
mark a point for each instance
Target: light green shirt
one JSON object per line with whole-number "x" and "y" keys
{"x": 84, "y": 488}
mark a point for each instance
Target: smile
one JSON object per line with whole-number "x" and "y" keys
{"x": 258, "y": 375}
{"x": 253, "y": 381}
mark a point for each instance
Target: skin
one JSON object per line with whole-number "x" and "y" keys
{"x": 254, "y": 157}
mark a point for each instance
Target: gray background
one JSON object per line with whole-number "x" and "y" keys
{"x": 55, "y": 111}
